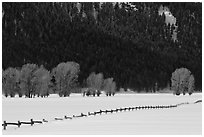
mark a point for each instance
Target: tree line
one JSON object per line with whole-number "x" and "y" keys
{"x": 130, "y": 42}
{"x": 32, "y": 81}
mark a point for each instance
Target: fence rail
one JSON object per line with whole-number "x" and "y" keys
{"x": 32, "y": 122}
{"x": 19, "y": 123}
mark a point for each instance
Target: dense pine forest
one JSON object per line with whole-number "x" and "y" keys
{"x": 130, "y": 42}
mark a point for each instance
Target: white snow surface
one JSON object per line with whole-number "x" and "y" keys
{"x": 182, "y": 120}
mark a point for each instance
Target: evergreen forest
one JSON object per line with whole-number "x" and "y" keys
{"x": 127, "y": 41}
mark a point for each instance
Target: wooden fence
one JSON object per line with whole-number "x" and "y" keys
{"x": 19, "y": 123}
{"x": 100, "y": 112}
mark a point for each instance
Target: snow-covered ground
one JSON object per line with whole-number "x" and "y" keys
{"x": 185, "y": 119}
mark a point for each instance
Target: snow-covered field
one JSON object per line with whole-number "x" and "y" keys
{"x": 185, "y": 119}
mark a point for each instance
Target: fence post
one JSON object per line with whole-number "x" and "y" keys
{"x": 19, "y": 123}
{"x": 5, "y": 125}
{"x": 31, "y": 120}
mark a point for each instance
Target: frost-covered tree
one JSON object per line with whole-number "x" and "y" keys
{"x": 191, "y": 85}
{"x": 66, "y": 75}
{"x": 10, "y": 82}
{"x": 179, "y": 81}
{"x": 95, "y": 81}
{"x": 27, "y": 79}
{"x": 42, "y": 81}
{"x": 109, "y": 86}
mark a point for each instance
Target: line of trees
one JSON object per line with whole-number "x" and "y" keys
{"x": 129, "y": 41}
{"x": 98, "y": 83}
{"x": 32, "y": 80}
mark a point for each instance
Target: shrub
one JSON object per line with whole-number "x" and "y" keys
{"x": 66, "y": 75}
{"x": 180, "y": 81}
{"x": 27, "y": 80}
{"x": 122, "y": 90}
{"x": 10, "y": 82}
